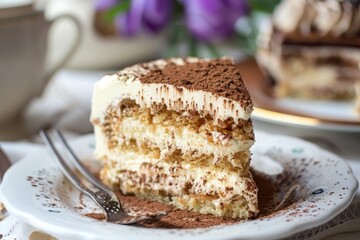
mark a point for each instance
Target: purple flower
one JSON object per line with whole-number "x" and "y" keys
{"x": 213, "y": 19}
{"x": 148, "y": 15}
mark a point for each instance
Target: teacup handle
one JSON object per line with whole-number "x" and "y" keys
{"x": 50, "y": 73}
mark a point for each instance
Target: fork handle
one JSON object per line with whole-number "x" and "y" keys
{"x": 109, "y": 203}
{"x": 104, "y": 198}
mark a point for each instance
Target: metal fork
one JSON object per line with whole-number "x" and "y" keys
{"x": 103, "y": 196}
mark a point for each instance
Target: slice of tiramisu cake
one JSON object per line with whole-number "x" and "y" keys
{"x": 311, "y": 49}
{"x": 178, "y": 131}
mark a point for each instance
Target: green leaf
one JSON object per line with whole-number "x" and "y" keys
{"x": 173, "y": 40}
{"x": 248, "y": 39}
{"x": 115, "y": 11}
{"x": 212, "y": 50}
{"x": 263, "y": 5}
{"x": 193, "y": 46}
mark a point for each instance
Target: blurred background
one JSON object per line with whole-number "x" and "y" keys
{"x": 49, "y": 46}
{"x": 52, "y": 52}
{"x": 121, "y": 32}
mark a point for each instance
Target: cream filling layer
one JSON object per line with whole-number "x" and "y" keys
{"x": 174, "y": 178}
{"x": 309, "y": 66}
{"x": 111, "y": 89}
{"x": 170, "y": 138}
{"x": 357, "y": 98}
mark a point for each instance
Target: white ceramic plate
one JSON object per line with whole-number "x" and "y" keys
{"x": 329, "y": 115}
{"x": 36, "y": 192}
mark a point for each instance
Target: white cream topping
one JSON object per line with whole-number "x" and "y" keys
{"x": 331, "y": 17}
{"x": 288, "y": 14}
{"x": 111, "y": 89}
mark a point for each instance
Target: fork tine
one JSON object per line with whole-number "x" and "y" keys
{"x": 104, "y": 198}
{"x": 62, "y": 163}
{"x": 79, "y": 165}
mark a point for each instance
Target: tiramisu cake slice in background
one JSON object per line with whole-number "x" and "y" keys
{"x": 178, "y": 131}
{"x": 312, "y": 49}
{"x": 357, "y": 98}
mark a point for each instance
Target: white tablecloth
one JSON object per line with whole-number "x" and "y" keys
{"x": 66, "y": 104}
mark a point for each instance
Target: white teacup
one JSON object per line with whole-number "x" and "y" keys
{"x": 23, "y": 49}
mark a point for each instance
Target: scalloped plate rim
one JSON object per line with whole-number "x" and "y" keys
{"x": 20, "y": 210}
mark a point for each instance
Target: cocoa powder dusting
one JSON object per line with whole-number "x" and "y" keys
{"x": 268, "y": 196}
{"x": 98, "y": 216}
{"x": 218, "y": 76}
{"x": 174, "y": 219}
